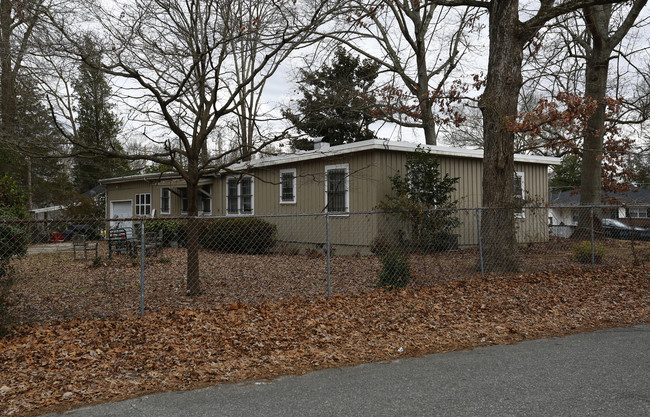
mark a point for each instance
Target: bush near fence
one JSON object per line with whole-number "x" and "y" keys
{"x": 238, "y": 235}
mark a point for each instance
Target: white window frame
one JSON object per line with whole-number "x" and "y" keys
{"x": 169, "y": 200}
{"x": 291, "y": 171}
{"x": 635, "y": 211}
{"x": 520, "y": 174}
{"x": 346, "y": 168}
{"x": 140, "y": 206}
{"x": 239, "y": 195}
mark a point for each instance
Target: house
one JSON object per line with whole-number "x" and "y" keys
{"x": 632, "y": 207}
{"x": 279, "y": 188}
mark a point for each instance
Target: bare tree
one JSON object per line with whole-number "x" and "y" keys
{"x": 420, "y": 44}
{"x": 511, "y": 28}
{"x": 178, "y": 62}
{"x": 606, "y": 31}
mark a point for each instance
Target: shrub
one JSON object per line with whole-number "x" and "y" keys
{"x": 582, "y": 252}
{"x": 395, "y": 271}
{"x": 238, "y": 235}
{"x": 13, "y": 243}
{"x": 382, "y": 244}
{"x": 172, "y": 230}
{"x": 423, "y": 198}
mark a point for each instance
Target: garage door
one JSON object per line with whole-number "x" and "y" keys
{"x": 121, "y": 210}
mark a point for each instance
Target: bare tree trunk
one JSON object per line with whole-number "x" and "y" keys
{"x": 592, "y": 152}
{"x": 30, "y": 195}
{"x": 423, "y": 93}
{"x": 498, "y": 102}
{"x": 598, "y": 21}
{"x": 428, "y": 124}
{"x": 7, "y": 77}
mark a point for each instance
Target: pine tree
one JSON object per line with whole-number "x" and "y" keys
{"x": 32, "y": 157}
{"x": 337, "y": 103}
{"x": 97, "y": 124}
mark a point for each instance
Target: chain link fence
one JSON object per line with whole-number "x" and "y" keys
{"x": 80, "y": 268}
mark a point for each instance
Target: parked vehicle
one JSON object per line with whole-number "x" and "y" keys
{"x": 616, "y": 229}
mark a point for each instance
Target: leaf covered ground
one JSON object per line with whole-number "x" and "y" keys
{"x": 58, "y": 365}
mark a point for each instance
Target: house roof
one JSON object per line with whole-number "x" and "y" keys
{"x": 366, "y": 145}
{"x": 379, "y": 144}
{"x": 634, "y": 196}
{"x": 95, "y": 191}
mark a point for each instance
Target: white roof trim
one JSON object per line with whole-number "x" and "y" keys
{"x": 378, "y": 144}
{"x": 48, "y": 209}
{"x": 366, "y": 145}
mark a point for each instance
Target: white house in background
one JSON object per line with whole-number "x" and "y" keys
{"x": 632, "y": 207}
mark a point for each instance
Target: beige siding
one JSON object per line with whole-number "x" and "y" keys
{"x": 369, "y": 173}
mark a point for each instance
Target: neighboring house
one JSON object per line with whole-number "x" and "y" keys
{"x": 632, "y": 207}
{"x": 342, "y": 180}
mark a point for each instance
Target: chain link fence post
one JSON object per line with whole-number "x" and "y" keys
{"x": 593, "y": 256}
{"x": 142, "y": 255}
{"x": 327, "y": 244}
{"x": 480, "y": 243}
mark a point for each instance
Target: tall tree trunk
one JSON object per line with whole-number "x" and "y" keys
{"x": 8, "y": 76}
{"x": 428, "y": 124}
{"x": 499, "y": 101}
{"x": 423, "y": 93}
{"x": 592, "y": 152}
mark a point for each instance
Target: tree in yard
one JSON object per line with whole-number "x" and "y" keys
{"x": 178, "y": 58}
{"x": 18, "y": 21}
{"x": 419, "y": 44}
{"x": 97, "y": 125}
{"x": 337, "y": 101}
{"x": 508, "y": 37}
{"x": 422, "y": 198}
{"x": 31, "y": 156}
{"x": 606, "y": 31}
{"x": 27, "y": 140}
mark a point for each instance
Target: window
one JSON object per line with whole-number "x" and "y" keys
{"x": 287, "y": 186}
{"x": 638, "y": 212}
{"x": 142, "y": 204}
{"x": 337, "y": 192}
{"x": 239, "y": 195}
{"x": 205, "y": 199}
{"x": 519, "y": 194}
{"x": 165, "y": 201}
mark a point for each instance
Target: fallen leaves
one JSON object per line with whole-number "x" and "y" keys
{"x": 59, "y": 365}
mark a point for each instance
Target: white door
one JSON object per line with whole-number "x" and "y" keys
{"x": 121, "y": 210}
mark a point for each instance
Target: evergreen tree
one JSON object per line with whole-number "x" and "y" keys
{"x": 33, "y": 158}
{"x": 639, "y": 166}
{"x": 423, "y": 198}
{"x": 97, "y": 124}
{"x": 566, "y": 176}
{"x": 337, "y": 103}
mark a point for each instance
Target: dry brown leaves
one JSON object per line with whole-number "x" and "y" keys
{"x": 61, "y": 365}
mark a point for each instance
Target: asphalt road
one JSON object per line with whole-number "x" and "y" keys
{"x": 604, "y": 373}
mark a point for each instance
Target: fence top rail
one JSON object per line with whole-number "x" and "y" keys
{"x": 545, "y": 206}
